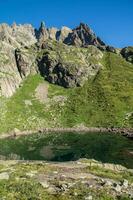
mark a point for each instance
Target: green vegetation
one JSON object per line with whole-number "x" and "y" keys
{"x": 25, "y": 190}
{"x": 107, "y": 173}
{"x": 35, "y": 167}
{"x": 69, "y": 146}
{"x": 106, "y": 100}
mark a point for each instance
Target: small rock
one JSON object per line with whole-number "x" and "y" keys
{"x": 62, "y": 177}
{"x": 108, "y": 183}
{"x": 91, "y": 186}
{"x": 102, "y": 182}
{"x": 16, "y": 130}
{"x": 64, "y": 186}
{"x": 131, "y": 194}
{"x": 117, "y": 188}
{"x": 88, "y": 198}
{"x": 55, "y": 172}
{"x": 52, "y": 190}
{"x": 31, "y": 174}
{"x": 111, "y": 49}
{"x": 28, "y": 102}
{"x": 125, "y": 183}
{"x": 4, "y": 176}
{"x": 75, "y": 194}
{"x": 45, "y": 184}
{"x": 70, "y": 184}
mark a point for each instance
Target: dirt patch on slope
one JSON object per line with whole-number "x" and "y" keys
{"x": 41, "y": 92}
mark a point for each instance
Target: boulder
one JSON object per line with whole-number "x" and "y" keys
{"x": 45, "y": 184}
{"x": 127, "y": 53}
{"x": 111, "y": 49}
{"x": 124, "y": 183}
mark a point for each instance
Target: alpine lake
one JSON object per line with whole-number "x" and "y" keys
{"x": 63, "y": 147}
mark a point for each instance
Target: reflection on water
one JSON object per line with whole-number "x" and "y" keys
{"x": 69, "y": 146}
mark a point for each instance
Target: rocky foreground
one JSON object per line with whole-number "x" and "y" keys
{"x": 83, "y": 179}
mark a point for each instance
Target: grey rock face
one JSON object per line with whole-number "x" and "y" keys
{"x": 9, "y": 75}
{"x": 63, "y": 34}
{"x": 83, "y": 36}
{"x": 12, "y": 37}
{"x": 25, "y": 60}
{"x": 53, "y": 33}
{"x": 17, "y": 35}
{"x": 127, "y": 53}
{"x": 62, "y": 64}
{"x": 42, "y": 34}
{"x": 22, "y": 65}
{"x": 111, "y": 49}
{"x": 68, "y": 66}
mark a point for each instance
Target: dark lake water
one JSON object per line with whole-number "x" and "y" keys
{"x": 107, "y": 148}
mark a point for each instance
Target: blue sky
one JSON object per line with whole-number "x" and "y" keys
{"x": 112, "y": 20}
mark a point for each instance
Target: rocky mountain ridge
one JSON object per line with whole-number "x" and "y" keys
{"x": 65, "y": 57}
{"x": 16, "y": 61}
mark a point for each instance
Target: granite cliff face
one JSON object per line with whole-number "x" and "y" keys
{"x": 19, "y": 57}
{"x": 83, "y": 36}
{"x": 12, "y": 38}
{"x": 65, "y": 57}
{"x": 68, "y": 66}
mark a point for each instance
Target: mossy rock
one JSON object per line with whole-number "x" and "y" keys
{"x": 68, "y": 66}
{"x": 127, "y": 53}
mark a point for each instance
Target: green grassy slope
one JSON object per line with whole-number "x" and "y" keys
{"x": 104, "y": 101}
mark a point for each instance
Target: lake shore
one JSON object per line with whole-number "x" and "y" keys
{"x": 127, "y": 132}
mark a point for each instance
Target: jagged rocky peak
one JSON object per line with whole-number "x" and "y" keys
{"x": 26, "y": 35}
{"x": 81, "y": 36}
{"x": 53, "y": 33}
{"x": 42, "y": 34}
{"x": 63, "y": 33}
{"x": 25, "y": 50}
{"x": 17, "y": 35}
{"x": 84, "y": 36}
